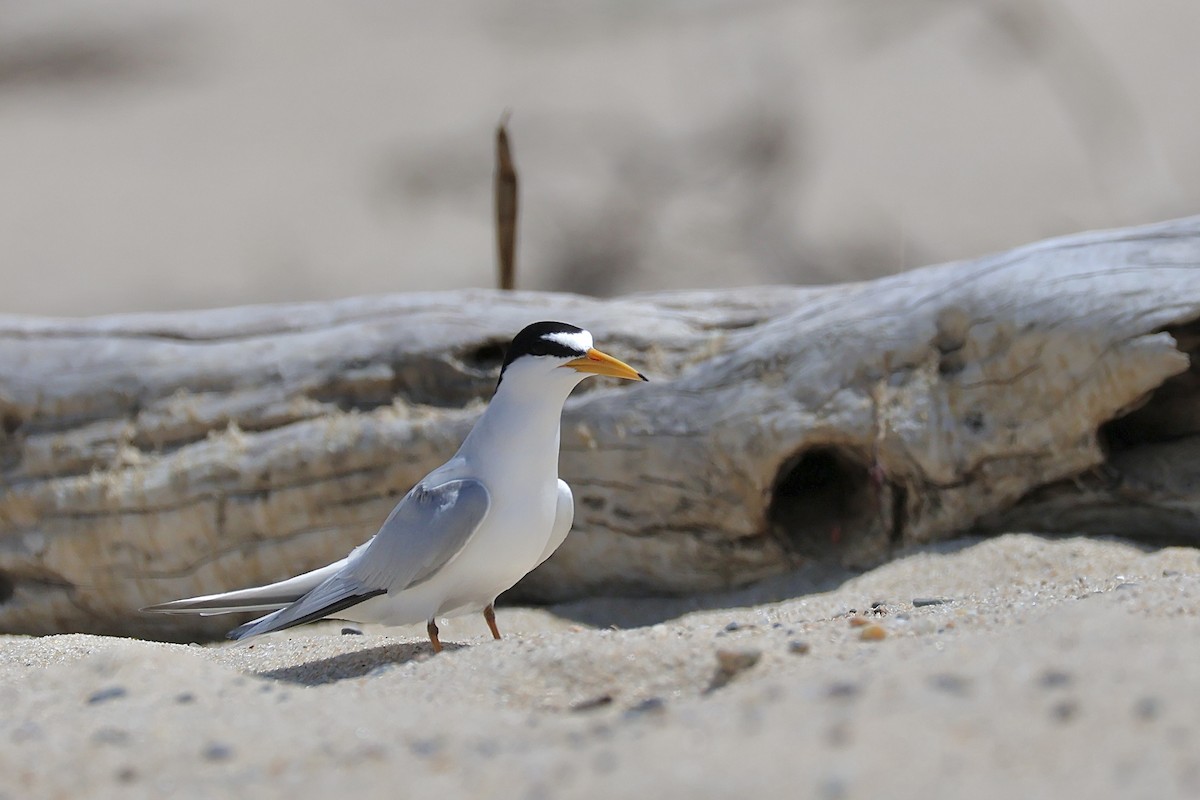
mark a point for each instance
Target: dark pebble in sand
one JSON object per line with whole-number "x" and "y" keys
{"x": 731, "y": 662}
{"x": 216, "y": 751}
{"x": 1055, "y": 679}
{"x": 425, "y": 748}
{"x": 351, "y": 632}
{"x": 593, "y": 702}
{"x": 104, "y": 695}
{"x": 918, "y": 602}
{"x": 799, "y": 648}
{"x": 183, "y": 698}
{"x": 651, "y": 705}
{"x": 951, "y": 684}
{"x": 843, "y": 690}
{"x": 1147, "y": 708}
{"x": 1064, "y": 711}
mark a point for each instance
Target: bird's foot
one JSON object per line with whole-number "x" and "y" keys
{"x": 432, "y": 629}
{"x": 489, "y": 614}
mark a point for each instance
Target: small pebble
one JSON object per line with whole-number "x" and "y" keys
{"x": 730, "y": 663}
{"x": 951, "y": 684}
{"x": 1147, "y": 708}
{"x": 651, "y": 705}
{"x": 217, "y": 751}
{"x": 733, "y": 626}
{"x": 351, "y": 632}
{"x": 735, "y": 661}
{"x": 1127, "y": 585}
{"x": 426, "y": 747}
{"x": 104, "y": 695}
{"x": 1054, "y": 679}
{"x": 799, "y": 648}
{"x": 873, "y": 633}
{"x": 1064, "y": 711}
{"x": 599, "y": 701}
{"x": 858, "y": 622}
{"x": 918, "y": 602}
{"x": 843, "y": 690}
{"x": 183, "y": 698}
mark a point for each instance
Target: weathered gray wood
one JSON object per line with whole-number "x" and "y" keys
{"x": 146, "y": 457}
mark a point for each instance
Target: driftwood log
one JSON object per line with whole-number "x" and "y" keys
{"x": 1051, "y": 388}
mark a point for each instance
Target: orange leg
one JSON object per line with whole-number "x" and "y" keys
{"x": 489, "y": 614}
{"x": 431, "y": 628}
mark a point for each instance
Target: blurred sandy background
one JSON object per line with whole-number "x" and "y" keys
{"x": 158, "y": 155}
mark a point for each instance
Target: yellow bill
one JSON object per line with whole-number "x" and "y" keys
{"x": 598, "y": 363}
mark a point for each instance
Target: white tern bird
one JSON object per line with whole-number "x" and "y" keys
{"x": 471, "y": 528}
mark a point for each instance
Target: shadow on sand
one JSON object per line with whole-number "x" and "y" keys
{"x": 352, "y": 665}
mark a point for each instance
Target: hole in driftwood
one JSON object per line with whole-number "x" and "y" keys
{"x": 1172, "y": 411}
{"x": 8, "y": 588}
{"x": 822, "y": 497}
{"x": 485, "y": 357}
{"x": 10, "y": 423}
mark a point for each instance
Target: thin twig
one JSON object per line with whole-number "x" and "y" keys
{"x": 506, "y": 208}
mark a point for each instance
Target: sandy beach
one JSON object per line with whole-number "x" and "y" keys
{"x": 1018, "y": 666}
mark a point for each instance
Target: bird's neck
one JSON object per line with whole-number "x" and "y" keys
{"x": 520, "y": 431}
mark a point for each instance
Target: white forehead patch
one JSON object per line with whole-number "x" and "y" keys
{"x": 581, "y": 341}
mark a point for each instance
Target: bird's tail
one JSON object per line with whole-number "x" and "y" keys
{"x": 271, "y": 597}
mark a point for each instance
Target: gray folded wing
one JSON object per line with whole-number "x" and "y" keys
{"x": 424, "y": 532}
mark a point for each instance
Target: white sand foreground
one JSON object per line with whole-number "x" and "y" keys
{"x": 1054, "y": 668}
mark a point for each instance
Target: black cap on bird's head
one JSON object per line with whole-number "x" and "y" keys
{"x": 569, "y": 344}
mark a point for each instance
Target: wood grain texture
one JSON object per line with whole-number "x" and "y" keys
{"x": 147, "y": 457}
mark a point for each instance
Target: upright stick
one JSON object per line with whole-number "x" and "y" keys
{"x": 506, "y": 208}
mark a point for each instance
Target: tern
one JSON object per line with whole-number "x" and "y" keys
{"x": 467, "y": 531}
